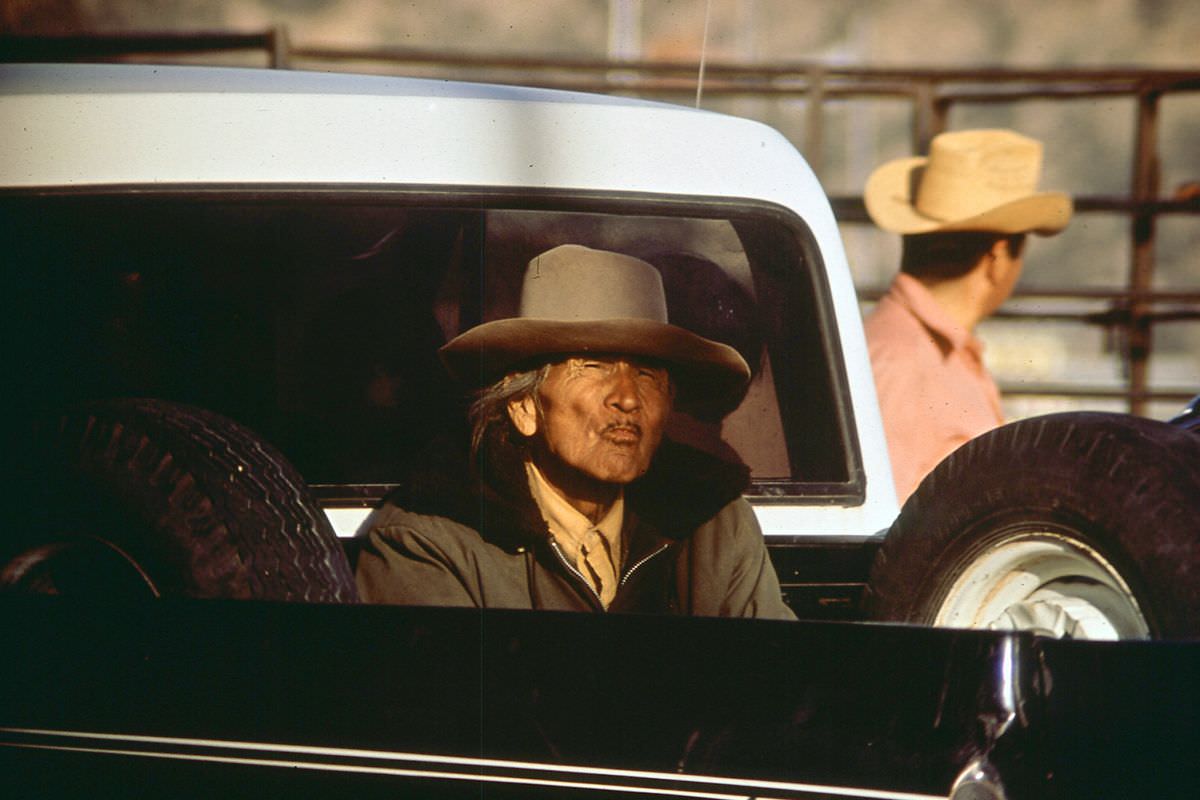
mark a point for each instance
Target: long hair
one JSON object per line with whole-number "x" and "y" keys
{"x": 488, "y": 413}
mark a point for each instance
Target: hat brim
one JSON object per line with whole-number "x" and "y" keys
{"x": 710, "y": 377}
{"x": 889, "y": 202}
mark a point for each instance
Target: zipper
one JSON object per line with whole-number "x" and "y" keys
{"x": 635, "y": 567}
{"x": 571, "y": 568}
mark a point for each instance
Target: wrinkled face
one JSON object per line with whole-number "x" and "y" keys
{"x": 601, "y": 417}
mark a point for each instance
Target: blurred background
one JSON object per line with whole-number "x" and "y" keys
{"x": 1106, "y": 316}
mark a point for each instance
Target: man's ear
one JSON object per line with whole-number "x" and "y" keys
{"x": 523, "y": 413}
{"x": 996, "y": 262}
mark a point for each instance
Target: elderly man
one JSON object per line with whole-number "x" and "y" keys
{"x": 577, "y": 502}
{"x": 964, "y": 213}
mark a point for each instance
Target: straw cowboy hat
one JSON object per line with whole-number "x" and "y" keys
{"x": 980, "y": 180}
{"x": 578, "y": 300}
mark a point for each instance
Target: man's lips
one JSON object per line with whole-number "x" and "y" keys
{"x": 623, "y": 433}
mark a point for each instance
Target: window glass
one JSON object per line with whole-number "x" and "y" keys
{"x": 316, "y": 322}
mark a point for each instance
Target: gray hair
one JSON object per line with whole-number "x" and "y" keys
{"x": 489, "y": 410}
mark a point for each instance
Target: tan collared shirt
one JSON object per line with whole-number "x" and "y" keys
{"x": 595, "y": 550}
{"x": 934, "y": 391}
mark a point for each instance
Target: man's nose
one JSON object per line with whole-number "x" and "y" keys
{"x": 623, "y": 391}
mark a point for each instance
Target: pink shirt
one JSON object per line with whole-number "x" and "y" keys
{"x": 934, "y": 391}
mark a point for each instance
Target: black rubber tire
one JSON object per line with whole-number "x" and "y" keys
{"x": 1127, "y": 487}
{"x": 151, "y": 497}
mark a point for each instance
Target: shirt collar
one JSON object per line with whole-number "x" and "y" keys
{"x": 566, "y": 523}
{"x": 912, "y": 294}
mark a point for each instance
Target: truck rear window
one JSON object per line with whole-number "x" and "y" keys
{"x": 315, "y": 319}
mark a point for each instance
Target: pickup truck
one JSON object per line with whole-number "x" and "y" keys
{"x": 224, "y": 293}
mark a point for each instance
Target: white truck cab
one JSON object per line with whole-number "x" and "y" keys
{"x": 198, "y": 134}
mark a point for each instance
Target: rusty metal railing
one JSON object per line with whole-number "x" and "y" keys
{"x": 1131, "y": 312}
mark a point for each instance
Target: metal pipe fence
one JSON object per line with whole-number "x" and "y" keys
{"x": 1130, "y": 312}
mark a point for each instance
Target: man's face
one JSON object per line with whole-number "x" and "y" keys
{"x": 602, "y": 417}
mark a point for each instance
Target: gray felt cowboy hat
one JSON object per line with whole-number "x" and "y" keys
{"x": 977, "y": 180}
{"x": 578, "y": 300}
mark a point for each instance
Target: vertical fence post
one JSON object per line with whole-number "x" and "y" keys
{"x": 1139, "y": 334}
{"x": 814, "y": 133}
{"x": 278, "y": 42}
{"x": 939, "y": 116}
{"x": 928, "y": 117}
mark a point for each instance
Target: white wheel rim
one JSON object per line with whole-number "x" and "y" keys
{"x": 1044, "y": 582}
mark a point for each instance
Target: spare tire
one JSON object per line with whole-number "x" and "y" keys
{"x": 1079, "y": 524}
{"x": 147, "y": 497}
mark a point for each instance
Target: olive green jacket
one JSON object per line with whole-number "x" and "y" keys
{"x": 694, "y": 545}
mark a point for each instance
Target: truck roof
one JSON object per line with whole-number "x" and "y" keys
{"x": 73, "y": 125}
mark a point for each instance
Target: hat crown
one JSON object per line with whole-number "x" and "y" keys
{"x": 578, "y": 300}
{"x": 971, "y": 172}
{"x": 576, "y": 283}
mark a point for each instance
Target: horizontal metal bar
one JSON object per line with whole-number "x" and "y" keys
{"x": 840, "y": 91}
{"x": 797, "y": 69}
{"x": 1024, "y": 389}
{"x": 1131, "y": 206}
{"x": 1060, "y": 293}
{"x": 26, "y": 48}
{"x": 1058, "y": 91}
{"x": 1159, "y": 79}
{"x": 1120, "y": 317}
{"x": 617, "y": 78}
{"x": 1153, "y": 296}
{"x": 849, "y": 208}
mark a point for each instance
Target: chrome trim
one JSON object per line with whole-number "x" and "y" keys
{"x": 399, "y": 764}
{"x": 978, "y": 781}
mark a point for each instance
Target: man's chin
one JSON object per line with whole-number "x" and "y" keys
{"x": 620, "y": 471}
